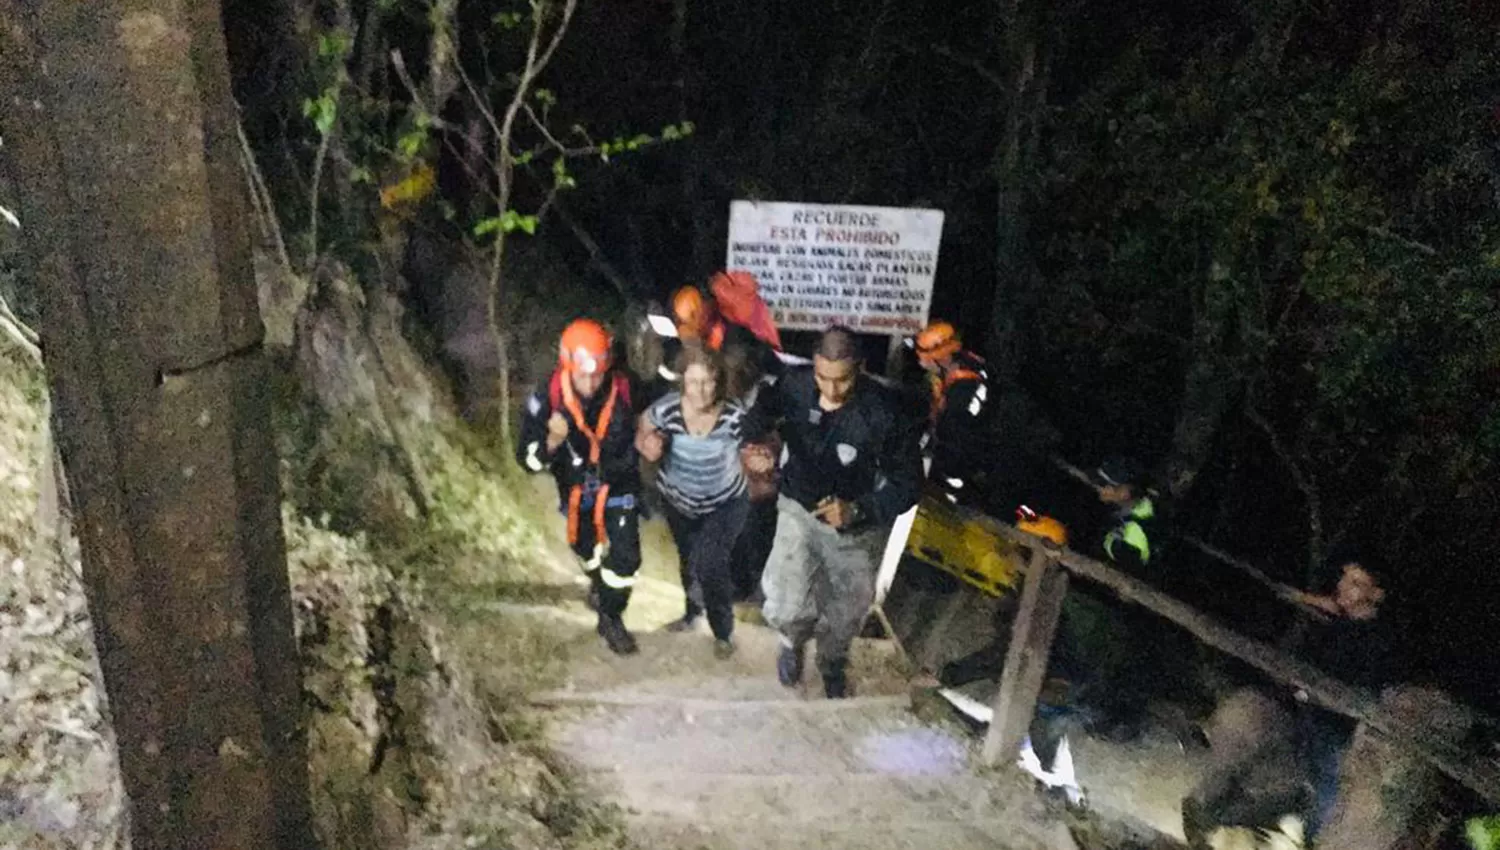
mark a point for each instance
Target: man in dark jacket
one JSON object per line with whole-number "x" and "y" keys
{"x": 580, "y": 425}
{"x": 1353, "y": 642}
{"x": 1350, "y": 636}
{"x": 851, "y": 466}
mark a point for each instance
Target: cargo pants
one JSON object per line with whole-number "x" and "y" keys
{"x": 820, "y": 582}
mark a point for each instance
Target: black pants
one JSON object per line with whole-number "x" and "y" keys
{"x": 704, "y": 547}
{"x": 752, "y": 548}
{"x": 614, "y": 576}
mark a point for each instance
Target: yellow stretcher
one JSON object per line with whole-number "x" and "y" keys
{"x": 965, "y": 544}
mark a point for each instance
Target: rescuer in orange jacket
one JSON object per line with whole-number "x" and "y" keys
{"x": 580, "y": 425}
{"x": 734, "y": 321}
{"x": 958, "y": 434}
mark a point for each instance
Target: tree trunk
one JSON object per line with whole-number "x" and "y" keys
{"x": 701, "y": 261}
{"x": 1015, "y": 162}
{"x": 126, "y": 159}
{"x": 1207, "y": 384}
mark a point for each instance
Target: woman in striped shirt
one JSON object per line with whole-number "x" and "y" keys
{"x": 696, "y": 434}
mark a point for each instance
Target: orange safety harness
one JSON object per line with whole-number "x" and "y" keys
{"x": 561, "y": 390}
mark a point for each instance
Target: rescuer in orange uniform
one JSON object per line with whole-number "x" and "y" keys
{"x": 958, "y": 421}
{"x": 580, "y": 425}
{"x": 734, "y": 321}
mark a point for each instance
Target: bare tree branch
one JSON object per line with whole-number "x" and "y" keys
{"x": 429, "y": 114}
{"x": 260, "y": 194}
{"x": 1301, "y": 480}
{"x": 540, "y": 49}
{"x": 1387, "y": 233}
{"x": 970, "y": 63}
{"x": 542, "y": 128}
{"x": 24, "y": 338}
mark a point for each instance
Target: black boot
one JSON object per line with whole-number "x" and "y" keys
{"x": 789, "y": 666}
{"x": 835, "y": 680}
{"x": 620, "y": 641}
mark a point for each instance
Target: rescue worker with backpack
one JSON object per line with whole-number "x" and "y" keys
{"x": 580, "y": 425}
{"x": 957, "y": 418}
{"x": 734, "y": 321}
{"x": 985, "y": 442}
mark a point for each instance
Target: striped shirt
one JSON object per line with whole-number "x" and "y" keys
{"x": 699, "y": 473}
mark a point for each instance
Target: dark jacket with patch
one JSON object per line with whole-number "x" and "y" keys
{"x": 865, "y": 452}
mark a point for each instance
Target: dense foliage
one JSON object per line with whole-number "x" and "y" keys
{"x": 1265, "y": 236}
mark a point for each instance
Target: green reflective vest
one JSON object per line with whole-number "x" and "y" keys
{"x": 1132, "y": 532}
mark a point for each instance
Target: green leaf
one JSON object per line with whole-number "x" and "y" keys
{"x": 323, "y": 111}
{"x": 507, "y": 20}
{"x": 560, "y": 176}
{"x": 410, "y": 143}
{"x": 360, "y": 174}
{"x": 333, "y": 45}
{"x": 1484, "y": 833}
{"x": 507, "y": 222}
{"x": 545, "y": 97}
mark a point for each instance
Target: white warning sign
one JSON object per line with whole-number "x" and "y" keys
{"x": 867, "y": 268}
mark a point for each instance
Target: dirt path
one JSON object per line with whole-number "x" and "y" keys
{"x": 703, "y": 753}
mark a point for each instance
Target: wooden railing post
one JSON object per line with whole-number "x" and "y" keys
{"x": 1042, "y": 592}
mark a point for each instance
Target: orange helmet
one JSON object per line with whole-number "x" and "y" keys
{"x": 692, "y": 311}
{"x": 937, "y": 341}
{"x": 586, "y": 348}
{"x": 1046, "y": 527}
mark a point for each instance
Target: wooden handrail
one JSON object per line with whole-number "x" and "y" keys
{"x": 1478, "y": 773}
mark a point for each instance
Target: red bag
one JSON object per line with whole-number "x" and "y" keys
{"x": 738, "y": 298}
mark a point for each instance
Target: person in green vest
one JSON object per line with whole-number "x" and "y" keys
{"x": 1121, "y": 484}
{"x": 1128, "y": 674}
